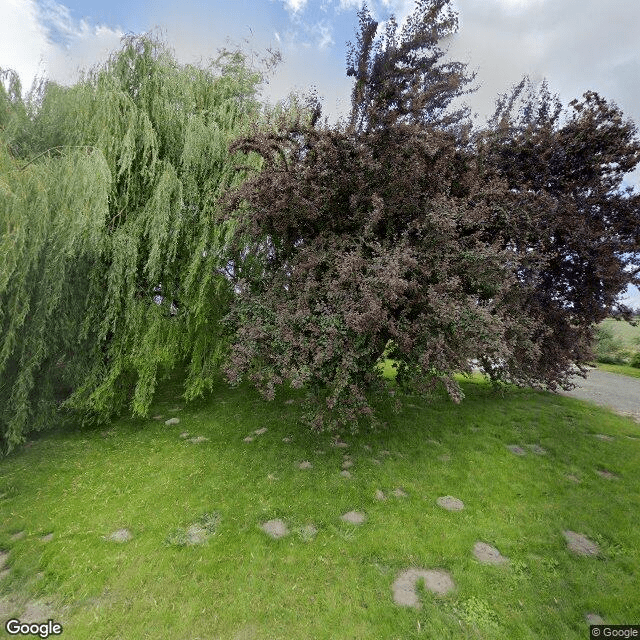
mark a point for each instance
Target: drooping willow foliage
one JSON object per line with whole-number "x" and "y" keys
{"x": 111, "y": 264}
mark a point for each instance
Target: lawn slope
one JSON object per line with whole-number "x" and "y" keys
{"x": 136, "y": 532}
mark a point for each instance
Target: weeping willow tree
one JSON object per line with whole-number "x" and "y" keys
{"x": 111, "y": 263}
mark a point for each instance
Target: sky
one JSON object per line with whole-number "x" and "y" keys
{"x": 576, "y": 45}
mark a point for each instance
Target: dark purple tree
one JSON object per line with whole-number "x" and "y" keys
{"x": 401, "y": 234}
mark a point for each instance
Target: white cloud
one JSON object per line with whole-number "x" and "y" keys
{"x": 322, "y": 31}
{"x": 345, "y": 5}
{"x": 295, "y": 6}
{"x": 23, "y": 41}
{"x": 42, "y": 38}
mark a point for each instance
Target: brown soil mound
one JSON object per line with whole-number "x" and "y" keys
{"x": 450, "y": 503}
{"x": 404, "y": 588}
{"x": 121, "y": 535}
{"x": 514, "y": 448}
{"x": 593, "y": 618}
{"x": 37, "y": 611}
{"x": 354, "y": 517}
{"x": 487, "y": 554}
{"x": 606, "y": 474}
{"x": 580, "y": 544}
{"x": 537, "y": 449}
{"x": 275, "y": 528}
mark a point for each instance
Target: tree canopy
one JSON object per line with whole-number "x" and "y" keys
{"x": 156, "y": 215}
{"x": 111, "y": 261}
{"x": 403, "y": 234}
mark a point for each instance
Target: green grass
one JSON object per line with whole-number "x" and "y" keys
{"x": 620, "y": 369}
{"x": 627, "y": 333}
{"x": 81, "y": 486}
{"x": 617, "y": 347}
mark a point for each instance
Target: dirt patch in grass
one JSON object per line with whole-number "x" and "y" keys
{"x": 606, "y": 474}
{"x": 593, "y": 618}
{"x": 198, "y": 439}
{"x": 450, "y": 503}
{"x": 30, "y": 612}
{"x": 197, "y": 533}
{"x": 308, "y": 532}
{"x": 580, "y": 544}
{"x": 260, "y": 431}
{"x": 275, "y": 528}
{"x": 404, "y": 588}
{"x": 487, "y": 554}
{"x": 345, "y": 474}
{"x": 354, "y": 517}
{"x": 514, "y": 448}
{"x": 347, "y": 464}
{"x": 604, "y": 437}
{"x": 537, "y": 449}
{"x": 400, "y": 493}
{"x": 47, "y": 538}
{"x": 121, "y": 535}
{"x": 8, "y": 606}
{"x": 172, "y": 421}
{"x": 380, "y": 495}
{"x": 37, "y": 611}
{"x": 305, "y": 464}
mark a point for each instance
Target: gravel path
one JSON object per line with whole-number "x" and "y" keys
{"x": 616, "y": 392}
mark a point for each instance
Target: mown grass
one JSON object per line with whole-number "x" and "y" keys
{"x": 81, "y": 486}
{"x": 617, "y": 347}
{"x": 626, "y": 332}
{"x": 621, "y": 369}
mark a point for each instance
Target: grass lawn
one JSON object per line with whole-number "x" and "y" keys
{"x": 629, "y": 334}
{"x": 199, "y": 565}
{"x": 621, "y": 369}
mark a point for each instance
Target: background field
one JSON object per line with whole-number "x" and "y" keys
{"x": 617, "y": 347}
{"x": 627, "y": 333}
